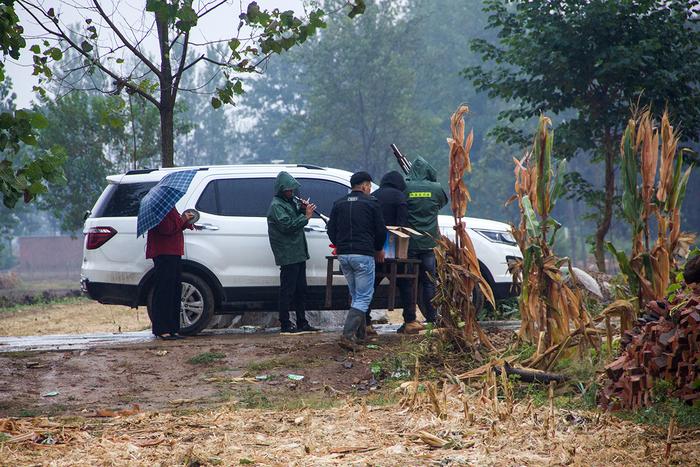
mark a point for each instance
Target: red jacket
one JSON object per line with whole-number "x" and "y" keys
{"x": 166, "y": 238}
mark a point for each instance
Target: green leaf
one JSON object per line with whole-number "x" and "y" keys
{"x": 215, "y": 102}
{"x": 55, "y": 53}
{"x": 35, "y": 49}
{"x": 531, "y": 222}
{"x": 357, "y": 9}
{"x": 86, "y": 46}
{"x": 38, "y": 120}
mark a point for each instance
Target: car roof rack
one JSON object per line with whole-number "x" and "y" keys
{"x": 147, "y": 171}
{"x": 310, "y": 166}
{"x": 140, "y": 171}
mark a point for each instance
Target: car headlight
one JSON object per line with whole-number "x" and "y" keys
{"x": 497, "y": 236}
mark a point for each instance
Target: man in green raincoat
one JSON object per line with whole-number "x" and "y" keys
{"x": 425, "y": 199}
{"x": 286, "y": 219}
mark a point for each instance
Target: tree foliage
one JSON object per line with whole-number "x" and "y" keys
{"x": 20, "y": 178}
{"x": 259, "y": 34}
{"x": 589, "y": 62}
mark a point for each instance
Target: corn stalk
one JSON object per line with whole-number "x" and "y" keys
{"x": 548, "y": 307}
{"x": 458, "y": 270}
{"x": 654, "y": 185}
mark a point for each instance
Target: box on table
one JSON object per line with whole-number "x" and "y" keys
{"x": 397, "y": 239}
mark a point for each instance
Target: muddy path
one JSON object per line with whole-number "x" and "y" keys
{"x": 192, "y": 373}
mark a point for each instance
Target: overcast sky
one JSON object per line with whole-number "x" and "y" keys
{"x": 221, "y": 24}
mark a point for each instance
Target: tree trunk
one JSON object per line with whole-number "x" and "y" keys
{"x": 604, "y": 222}
{"x": 167, "y": 100}
{"x": 166, "y": 134}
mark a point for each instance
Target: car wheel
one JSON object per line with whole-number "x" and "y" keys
{"x": 196, "y": 306}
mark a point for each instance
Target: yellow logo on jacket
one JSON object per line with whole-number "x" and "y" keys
{"x": 420, "y": 194}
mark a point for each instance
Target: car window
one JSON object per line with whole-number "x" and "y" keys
{"x": 122, "y": 200}
{"x": 246, "y": 197}
{"x": 323, "y": 193}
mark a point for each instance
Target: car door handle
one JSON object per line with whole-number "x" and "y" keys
{"x": 313, "y": 228}
{"x": 206, "y": 227}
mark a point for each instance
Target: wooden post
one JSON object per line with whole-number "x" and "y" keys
{"x": 392, "y": 285}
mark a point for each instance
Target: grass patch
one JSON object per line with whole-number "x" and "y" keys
{"x": 505, "y": 310}
{"x": 382, "y": 398}
{"x": 255, "y": 398}
{"x": 206, "y": 358}
{"x": 4, "y": 437}
{"x": 660, "y": 413}
{"x": 28, "y": 413}
{"x": 39, "y": 300}
{"x": 287, "y": 361}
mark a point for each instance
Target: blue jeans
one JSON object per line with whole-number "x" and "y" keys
{"x": 359, "y": 273}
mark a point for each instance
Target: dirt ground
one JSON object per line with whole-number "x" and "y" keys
{"x": 195, "y": 372}
{"x": 230, "y": 400}
{"x": 75, "y": 316}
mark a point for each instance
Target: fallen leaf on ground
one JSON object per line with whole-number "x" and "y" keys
{"x": 432, "y": 440}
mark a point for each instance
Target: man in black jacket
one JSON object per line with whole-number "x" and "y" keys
{"x": 356, "y": 228}
{"x": 394, "y": 205}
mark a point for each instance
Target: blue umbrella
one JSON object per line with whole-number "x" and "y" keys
{"x": 161, "y": 199}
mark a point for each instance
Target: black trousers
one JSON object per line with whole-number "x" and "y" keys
{"x": 426, "y": 283}
{"x": 293, "y": 293}
{"x": 165, "y": 309}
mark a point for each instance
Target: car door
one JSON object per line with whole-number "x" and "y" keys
{"x": 322, "y": 192}
{"x": 233, "y": 241}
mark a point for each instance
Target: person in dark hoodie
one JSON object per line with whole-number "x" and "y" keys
{"x": 356, "y": 228}
{"x": 286, "y": 219}
{"x": 392, "y": 199}
{"x": 425, "y": 199}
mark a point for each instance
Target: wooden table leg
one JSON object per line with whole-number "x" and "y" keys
{"x": 329, "y": 284}
{"x": 392, "y": 285}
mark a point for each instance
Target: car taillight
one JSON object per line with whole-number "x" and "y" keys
{"x": 98, "y": 236}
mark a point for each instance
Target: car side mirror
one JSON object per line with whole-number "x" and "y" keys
{"x": 86, "y": 214}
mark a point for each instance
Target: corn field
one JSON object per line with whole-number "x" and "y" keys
{"x": 548, "y": 306}
{"x": 654, "y": 186}
{"x": 458, "y": 270}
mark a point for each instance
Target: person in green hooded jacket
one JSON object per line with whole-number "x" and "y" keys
{"x": 286, "y": 219}
{"x": 425, "y": 199}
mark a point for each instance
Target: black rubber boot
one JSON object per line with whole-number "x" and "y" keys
{"x": 354, "y": 321}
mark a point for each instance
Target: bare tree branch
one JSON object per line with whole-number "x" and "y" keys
{"x": 181, "y": 69}
{"x": 124, "y": 40}
{"x": 63, "y": 36}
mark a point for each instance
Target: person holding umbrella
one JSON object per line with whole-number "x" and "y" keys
{"x": 165, "y": 245}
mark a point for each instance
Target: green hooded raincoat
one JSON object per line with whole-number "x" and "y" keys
{"x": 425, "y": 199}
{"x": 285, "y": 224}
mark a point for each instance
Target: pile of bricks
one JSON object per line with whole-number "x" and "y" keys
{"x": 664, "y": 345}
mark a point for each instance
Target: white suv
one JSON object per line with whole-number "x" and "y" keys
{"x": 228, "y": 265}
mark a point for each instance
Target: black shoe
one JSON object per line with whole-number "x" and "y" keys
{"x": 178, "y": 336}
{"x": 307, "y": 329}
{"x": 288, "y": 331}
{"x": 169, "y": 337}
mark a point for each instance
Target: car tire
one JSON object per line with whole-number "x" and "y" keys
{"x": 197, "y": 306}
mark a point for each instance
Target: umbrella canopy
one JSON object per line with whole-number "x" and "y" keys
{"x": 161, "y": 199}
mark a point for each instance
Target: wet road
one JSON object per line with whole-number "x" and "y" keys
{"x": 87, "y": 341}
